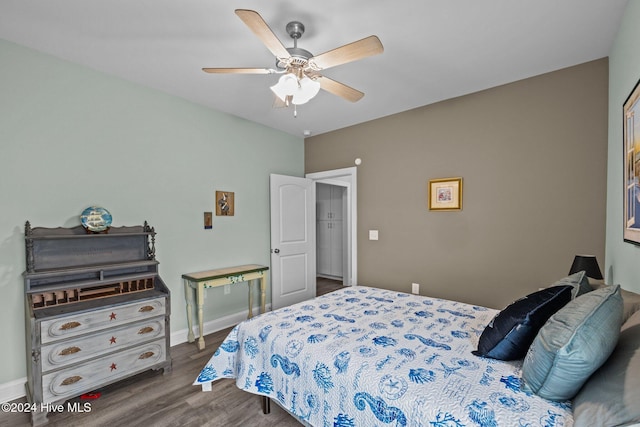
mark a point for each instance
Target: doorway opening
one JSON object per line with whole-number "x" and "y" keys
{"x": 336, "y": 225}
{"x": 331, "y": 235}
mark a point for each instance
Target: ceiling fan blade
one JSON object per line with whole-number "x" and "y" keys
{"x": 254, "y": 21}
{"x": 339, "y": 89}
{"x": 368, "y": 46}
{"x": 238, "y": 70}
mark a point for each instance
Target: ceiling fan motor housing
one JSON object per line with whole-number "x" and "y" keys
{"x": 299, "y": 57}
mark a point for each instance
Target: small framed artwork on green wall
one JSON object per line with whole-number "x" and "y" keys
{"x": 225, "y": 203}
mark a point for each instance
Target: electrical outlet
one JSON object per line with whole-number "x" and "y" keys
{"x": 415, "y": 288}
{"x": 227, "y": 289}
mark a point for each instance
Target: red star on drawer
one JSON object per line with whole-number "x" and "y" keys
{"x": 112, "y": 316}
{"x": 112, "y": 340}
{"x": 113, "y": 367}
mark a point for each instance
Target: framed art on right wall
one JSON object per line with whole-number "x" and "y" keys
{"x": 631, "y": 133}
{"x": 445, "y": 194}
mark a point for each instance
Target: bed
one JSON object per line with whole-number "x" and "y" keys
{"x": 365, "y": 356}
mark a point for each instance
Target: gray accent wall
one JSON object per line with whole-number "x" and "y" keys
{"x": 71, "y": 137}
{"x": 622, "y": 259}
{"x": 533, "y": 158}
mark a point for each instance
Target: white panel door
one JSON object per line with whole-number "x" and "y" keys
{"x": 293, "y": 246}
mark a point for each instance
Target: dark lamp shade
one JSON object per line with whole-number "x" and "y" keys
{"x": 587, "y": 263}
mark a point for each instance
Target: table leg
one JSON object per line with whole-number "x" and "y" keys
{"x": 200, "y": 301}
{"x": 188, "y": 296}
{"x": 249, "y": 282}
{"x": 263, "y": 293}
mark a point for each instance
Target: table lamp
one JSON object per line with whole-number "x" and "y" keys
{"x": 589, "y": 264}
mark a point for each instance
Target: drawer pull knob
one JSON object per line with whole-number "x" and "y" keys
{"x": 71, "y": 380}
{"x": 69, "y": 350}
{"x": 146, "y": 308}
{"x": 145, "y": 330}
{"x": 69, "y": 325}
{"x": 146, "y": 355}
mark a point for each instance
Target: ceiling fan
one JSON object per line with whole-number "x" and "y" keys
{"x": 301, "y": 79}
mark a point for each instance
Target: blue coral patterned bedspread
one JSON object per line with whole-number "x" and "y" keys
{"x": 368, "y": 357}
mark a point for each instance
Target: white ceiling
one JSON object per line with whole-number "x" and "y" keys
{"x": 434, "y": 49}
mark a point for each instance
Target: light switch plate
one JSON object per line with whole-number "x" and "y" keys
{"x": 373, "y": 234}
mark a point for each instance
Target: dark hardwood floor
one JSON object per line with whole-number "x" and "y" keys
{"x": 154, "y": 399}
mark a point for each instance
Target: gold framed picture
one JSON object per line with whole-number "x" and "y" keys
{"x": 224, "y": 203}
{"x": 445, "y": 194}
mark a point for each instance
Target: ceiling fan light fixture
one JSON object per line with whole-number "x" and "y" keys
{"x": 287, "y": 85}
{"x": 301, "y": 91}
{"x": 307, "y": 89}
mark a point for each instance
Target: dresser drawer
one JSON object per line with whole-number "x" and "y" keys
{"x": 76, "y": 350}
{"x": 84, "y": 377}
{"x": 81, "y": 323}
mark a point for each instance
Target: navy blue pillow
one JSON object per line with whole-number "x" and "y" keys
{"x": 509, "y": 335}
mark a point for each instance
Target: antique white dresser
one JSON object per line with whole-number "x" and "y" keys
{"x": 96, "y": 311}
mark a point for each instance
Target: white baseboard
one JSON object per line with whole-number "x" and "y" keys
{"x": 12, "y": 390}
{"x": 179, "y": 337}
{"x": 16, "y": 389}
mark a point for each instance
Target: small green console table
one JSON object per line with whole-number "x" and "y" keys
{"x": 198, "y": 282}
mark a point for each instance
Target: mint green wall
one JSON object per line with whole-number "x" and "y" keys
{"x": 71, "y": 137}
{"x": 622, "y": 260}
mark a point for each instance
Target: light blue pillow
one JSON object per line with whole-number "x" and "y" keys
{"x": 572, "y": 344}
{"x": 579, "y": 281}
{"x": 610, "y": 397}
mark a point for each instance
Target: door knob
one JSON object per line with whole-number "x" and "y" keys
{"x": 276, "y": 251}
